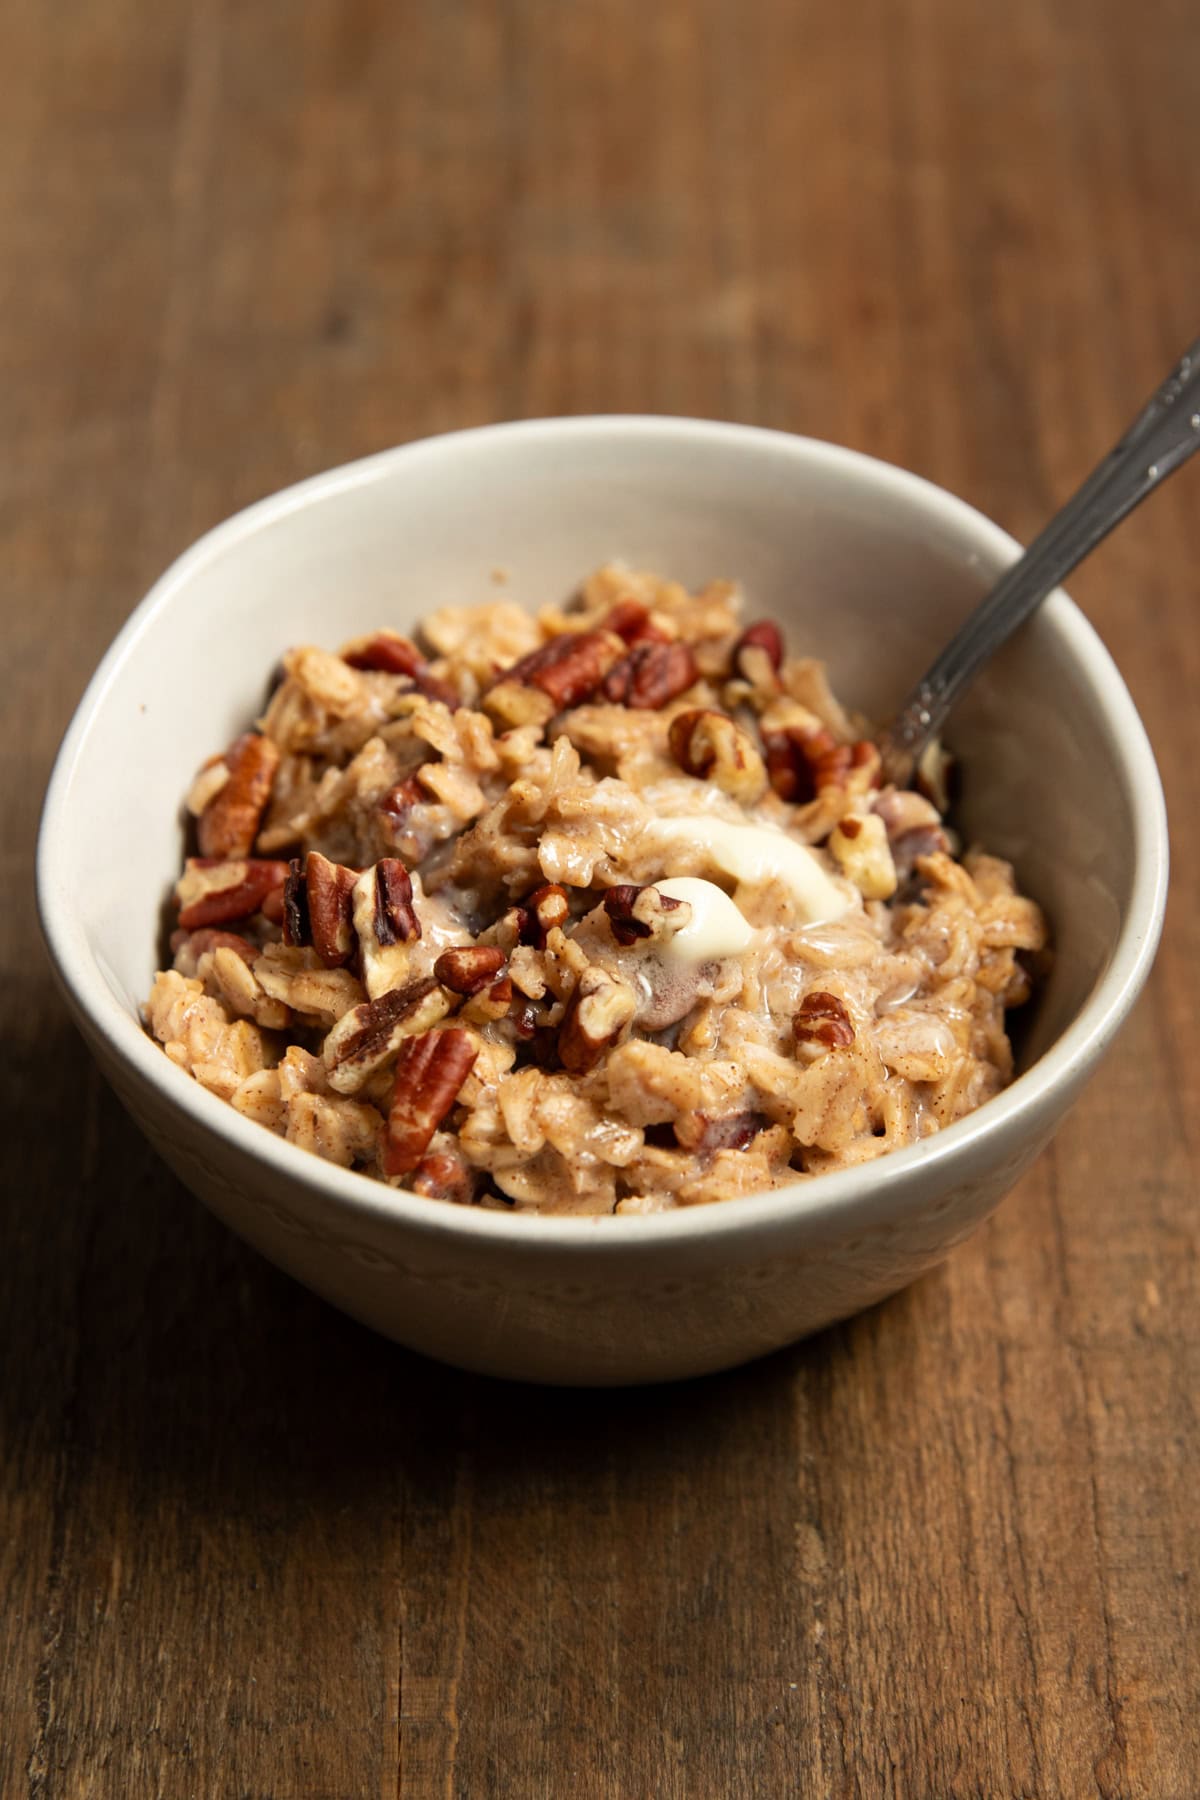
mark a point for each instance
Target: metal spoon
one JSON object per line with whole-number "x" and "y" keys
{"x": 1163, "y": 436}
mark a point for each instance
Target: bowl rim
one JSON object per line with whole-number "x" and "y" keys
{"x": 872, "y": 1190}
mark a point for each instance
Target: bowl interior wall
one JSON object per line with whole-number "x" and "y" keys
{"x": 865, "y": 574}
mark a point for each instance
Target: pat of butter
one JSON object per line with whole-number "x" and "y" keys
{"x": 757, "y": 854}
{"x": 716, "y": 927}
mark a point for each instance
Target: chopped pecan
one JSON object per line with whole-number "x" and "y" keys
{"x": 698, "y": 1132}
{"x": 642, "y": 912}
{"x": 380, "y": 905}
{"x": 441, "y": 1175}
{"x": 618, "y": 904}
{"x": 208, "y": 781}
{"x": 396, "y": 655}
{"x": 367, "y": 1036}
{"x": 213, "y": 891}
{"x": 549, "y": 906}
{"x": 631, "y": 620}
{"x": 788, "y": 768}
{"x": 801, "y": 763}
{"x": 296, "y": 929}
{"x": 764, "y": 636}
{"x": 859, "y": 845}
{"x": 650, "y": 675}
{"x": 600, "y": 1009}
{"x": 187, "y": 947}
{"x": 399, "y": 801}
{"x": 822, "y": 1019}
{"x": 710, "y": 746}
{"x": 568, "y": 668}
{"x": 229, "y": 823}
{"x": 526, "y": 1019}
{"x": 513, "y": 705}
{"x": 395, "y": 920}
{"x": 384, "y": 650}
{"x": 434, "y": 688}
{"x": 529, "y": 923}
{"x": 493, "y": 1002}
{"x": 833, "y": 770}
{"x": 469, "y": 968}
{"x": 507, "y": 930}
{"x": 330, "y": 891}
{"x": 430, "y": 1070}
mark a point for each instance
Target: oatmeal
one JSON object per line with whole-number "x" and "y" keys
{"x": 598, "y": 910}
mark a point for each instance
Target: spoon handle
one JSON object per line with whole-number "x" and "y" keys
{"x": 1164, "y": 435}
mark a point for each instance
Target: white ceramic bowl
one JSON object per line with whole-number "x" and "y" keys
{"x": 868, "y": 567}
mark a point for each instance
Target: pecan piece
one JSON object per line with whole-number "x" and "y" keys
{"x": 492, "y": 1003}
{"x": 822, "y": 1019}
{"x": 788, "y": 768}
{"x": 697, "y": 1132}
{"x": 434, "y": 688}
{"x": 368, "y": 1036}
{"x": 507, "y": 929}
{"x": 566, "y": 670}
{"x": 399, "y": 801}
{"x": 430, "y": 1070}
{"x": 710, "y": 746}
{"x": 537, "y": 915}
{"x": 469, "y": 968}
{"x": 549, "y": 906}
{"x": 801, "y": 763}
{"x": 394, "y": 920}
{"x": 512, "y": 705}
{"x": 642, "y": 912}
{"x": 396, "y": 655}
{"x": 208, "y": 781}
{"x": 526, "y": 1020}
{"x": 631, "y": 620}
{"x": 650, "y": 675}
{"x": 833, "y": 770}
{"x": 296, "y": 930}
{"x": 441, "y": 1175}
{"x": 229, "y": 823}
{"x": 859, "y": 845}
{"x": 187, "y": 947}
{"x": 386, "y": 651}
{"x": 600, "y": 1009}
{"x": 213, "y": 891}
{"x": 330, "y": 892}
{"x": 760, "y": 640}
{"x": 385, "y": 924}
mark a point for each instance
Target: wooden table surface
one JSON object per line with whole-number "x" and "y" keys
{"x": 950, "y": 1548}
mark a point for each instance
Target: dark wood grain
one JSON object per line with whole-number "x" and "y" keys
{"x": 948, "y": 1549}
